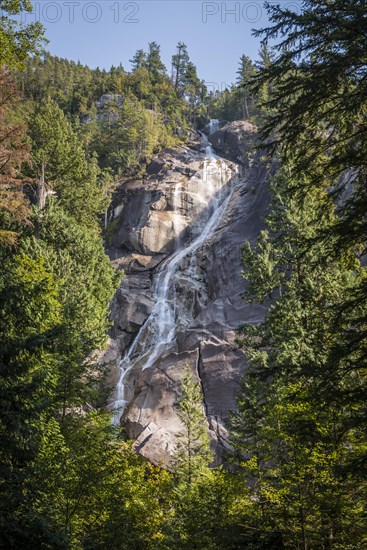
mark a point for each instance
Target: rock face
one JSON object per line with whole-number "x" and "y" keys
{"x": 235, "y": 140}
{"x": 178, "y": 236}
{"x": 107, "y": 100}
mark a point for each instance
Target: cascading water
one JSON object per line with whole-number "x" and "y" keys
{"x": 157, "y": 336}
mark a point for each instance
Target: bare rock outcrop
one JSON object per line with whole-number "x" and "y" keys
{"x": 151, "y": 222}
{"x": 235, "y": 140}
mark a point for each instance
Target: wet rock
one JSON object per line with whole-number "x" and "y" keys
{"x": 152, "y": 220}
{"x": 212, "y": 127}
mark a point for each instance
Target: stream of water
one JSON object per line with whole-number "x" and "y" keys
{"x": 157, "y": 335}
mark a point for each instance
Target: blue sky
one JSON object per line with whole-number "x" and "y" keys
{"x": 108, "y": 32}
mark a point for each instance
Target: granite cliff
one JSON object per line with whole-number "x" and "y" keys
{"x": 178, "y": 234}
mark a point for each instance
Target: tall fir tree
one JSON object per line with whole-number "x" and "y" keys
{"x": 139, "y": 60}
{"x": 292, "y": 430}
{"x": 319, "y": 100}
{"x": 193, "y": 445}
{"x": 30, "y": 324}
{"x": 155, "y": 65}
{"x": 246, "y": 72}
{"x": 61, "y": 164}
{"x": 14, "y": 150}
{"x": 179, "y": 67}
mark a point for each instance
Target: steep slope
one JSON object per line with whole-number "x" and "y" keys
{"x": 178, "y": 236}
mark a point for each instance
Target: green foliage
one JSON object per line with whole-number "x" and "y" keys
{"x": 67, "y": 478}
{"x": 14, "y": 206}
{"x": 242, "y": 100}
{"x": 139, "y": 60}
{"x": 208, "y": 514}
{"x": 266, "y": 58}
{"x": 18, "y": 40}
{"x": 224, "y": 105}
{"x": 204, "y": 511}
{"x": 58, "y": 155}
{"x": 133, "y": 138}
{"x": 318, "y": 102}
{"x": 29, "y": 326}
{"x": 55, "y": 291}
{"x": 293, "y": 430}
{"x": 245, "y": 73}
{"x": 179, "y": 67}
{"x": 76, "y": 257}
{"x": 319, "y": 99}
{"x": 155, "y": 66}
{"x": 122, "y": 132}
{"x": 96, "y": 489}
{"x": 193, "y": 453}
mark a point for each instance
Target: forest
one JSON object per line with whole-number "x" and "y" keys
{"x": 295, "y": 474}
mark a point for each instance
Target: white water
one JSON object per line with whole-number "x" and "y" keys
{"x": 157, "y": 335}
{"x": 213, "y": 125}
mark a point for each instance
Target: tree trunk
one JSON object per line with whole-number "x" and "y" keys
{"x": 41, "y": 198}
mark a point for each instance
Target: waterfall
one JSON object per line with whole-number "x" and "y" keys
{"x": 156, "y": 337}
{"x": 213, "y": 126}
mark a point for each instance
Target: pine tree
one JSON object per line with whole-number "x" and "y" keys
{"x": 179, "y": 67}
{"x": 319, "y": 98}
{"x": 61, "y": 164}
{"x": 75, "y": 255}
{"x": 14, "y": 150}
{"x": 204, "y": 501}
{"x": 193, "y": 446}
{"x": 195, "y": 92}
{"x": 246, "y": 72}
{"x": 293, "y": 429}
{"x": 155, "y": 65}
{"x": 266, "y": 58}
{"x": 318, "y": 102}
{"x": 139, "y": 60}
{"x": 30, "y": 325}
{"x": 18, "y": 40}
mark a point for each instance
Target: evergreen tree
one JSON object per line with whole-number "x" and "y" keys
{"x": 17, "y": 40}
{"x": 76, "y": 256}
{"x": 97, "y": 491}
{"x": 318, "y": 102}
{"x": 266, "y": 58}
{"x": 319, "y": 97}
{"x": 30, "y": 323}
{"x": 193, "y": 446}
{"x": 14, "y": 206}
{"x": 292, "y": 430}
{"x": 135, "y": 135}
{"x": 155, "y": 65}
{"x": 179, "y": 67}
{"x": 246, "y": 72}
{"x": 204, "y": 501}
{"x": 225, "y": 105}
{"x": 60, "y": 163}
{"x": 139, "y": 60}
{"x": 195, "y": 92}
